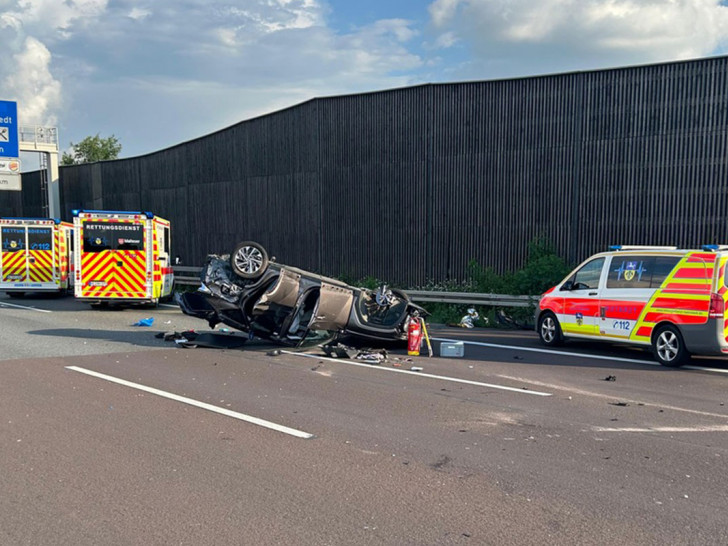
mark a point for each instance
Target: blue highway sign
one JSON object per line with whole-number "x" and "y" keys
{"x": 9, "y": 146}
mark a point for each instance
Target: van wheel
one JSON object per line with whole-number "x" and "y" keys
{"x": 549, "y": 330}
{"x": 668, "y": 347}
{"x": 16, "y": 294}
{"x": 249, "y": 260}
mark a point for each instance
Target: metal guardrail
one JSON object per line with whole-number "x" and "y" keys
{"x": 472, "y": 298}
{"x": 186, "y": 275}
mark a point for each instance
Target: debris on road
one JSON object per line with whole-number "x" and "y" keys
{"x": 144, "y": 322}
{"x": 339, "y": 350}
{"x": 610, "y": 378}
{"x": 372, "y": 357}
{"x": 191, "y": 339}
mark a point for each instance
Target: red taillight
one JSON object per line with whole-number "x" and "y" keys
{"x": 717, "y": 306}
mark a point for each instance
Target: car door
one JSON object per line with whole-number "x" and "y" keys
{"x": 581, "y": 299}
{"x": 626, "y": 292}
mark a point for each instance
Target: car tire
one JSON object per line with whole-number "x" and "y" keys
{"x": 549, "y": 330}
{"x": 249, "y": 260}
{"x": 668, "y": 347}
{"x": 16, "y": 294}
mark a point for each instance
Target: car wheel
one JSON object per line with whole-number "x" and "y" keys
{"x": 668, "y": 347}
{"x": 16, "y": 294}
{"x": 549, "y": 330}
{"x": 249, "y": 260}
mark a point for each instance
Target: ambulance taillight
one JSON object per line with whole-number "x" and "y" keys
{"x": 717, "y": 306}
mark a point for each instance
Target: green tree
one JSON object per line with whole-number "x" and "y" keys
{"x": 92, "y": 149}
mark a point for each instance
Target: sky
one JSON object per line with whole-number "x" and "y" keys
{"x": 155, "y": 73}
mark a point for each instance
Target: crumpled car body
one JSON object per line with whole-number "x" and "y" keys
{"x": 290, "y": 306}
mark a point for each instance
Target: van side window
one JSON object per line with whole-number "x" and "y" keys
{"x": 662, "y": 268}
{"x": 631, "y": 272}
{"x": 588, "y": 276}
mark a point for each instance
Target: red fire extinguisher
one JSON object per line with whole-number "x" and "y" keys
{"x": 414, "y": 336}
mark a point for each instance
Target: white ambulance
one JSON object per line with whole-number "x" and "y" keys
{"x": 672, "y": 300}
{"x": 35, "y": 255}
{"x": 121, "y": 257}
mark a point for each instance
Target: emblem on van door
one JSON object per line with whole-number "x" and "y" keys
{"x": 629, "y": 270}
{"x": 579, "y": 319}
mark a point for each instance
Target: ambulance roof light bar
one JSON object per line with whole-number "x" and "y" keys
{"x": 714, "y": 248}
{"x": 24, "y": 219}
{"x": 641, "y": 247}
{"x": 77, "y": 212}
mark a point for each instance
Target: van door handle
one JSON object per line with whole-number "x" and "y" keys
{"x": 593, "y": 293}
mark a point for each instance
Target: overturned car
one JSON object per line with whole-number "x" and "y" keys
{"x": 252, "y": 293}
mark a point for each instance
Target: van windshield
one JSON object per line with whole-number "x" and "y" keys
{"x": 100, "y": 236}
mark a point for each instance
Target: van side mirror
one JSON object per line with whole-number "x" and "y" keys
{"x": 568, "y": 285}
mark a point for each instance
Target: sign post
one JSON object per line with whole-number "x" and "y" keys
{"x": 9, "y": 147}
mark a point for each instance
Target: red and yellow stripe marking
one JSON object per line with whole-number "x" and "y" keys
{"x": 123, "y": 272}
{"x": 14, "y": 266}
{"x": 683, "y": 298}
{"x": 40, "y": 265}
{"x": 723, "y": 292}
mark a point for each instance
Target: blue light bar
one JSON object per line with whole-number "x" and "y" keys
{"x": 149, "y": 215}
{"x": 55, "y": 220}
{"x": 710, "y": 247}
{"x": 615, "y": 247}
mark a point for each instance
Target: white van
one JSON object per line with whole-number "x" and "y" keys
{"x": 666, "y": 298}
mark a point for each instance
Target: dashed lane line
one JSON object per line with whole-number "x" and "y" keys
{"x": 25, "y": 307}
{"x": 420, "y": 374}
{"x": 708, "y": 428}
{"x": 196, "y": 403}
{"x": 578, "y": 355}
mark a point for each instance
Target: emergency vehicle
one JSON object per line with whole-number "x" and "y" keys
{"x": 35, "y": 255}
{"x": 121, "y": 257}
{"x": 672, "y": 300}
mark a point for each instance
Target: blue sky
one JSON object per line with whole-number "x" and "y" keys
{"x": 159, "y": 72}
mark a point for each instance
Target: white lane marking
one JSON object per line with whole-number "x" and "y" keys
{"x": 419, "y": 374}
{"x": 611, "y": 397}
{"x": 25, "y": 307}
{"x": 549, "y": 351}
{"x": 580, "y": 355}
{"x": 708, "y": 428}
{"x": 196, "y": 403}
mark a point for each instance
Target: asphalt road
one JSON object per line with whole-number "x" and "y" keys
{"x": 109, "y": 435}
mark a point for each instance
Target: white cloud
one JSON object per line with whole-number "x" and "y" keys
{"x": 32, "y": 85}
{"x": 138, "y": 13}
{"x": 567, "y": 34}
{"x": 55, "y": 15}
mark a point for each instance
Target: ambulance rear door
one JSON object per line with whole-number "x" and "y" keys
{"x": 13, "y": 263}
{"x": 41, "y": 266}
